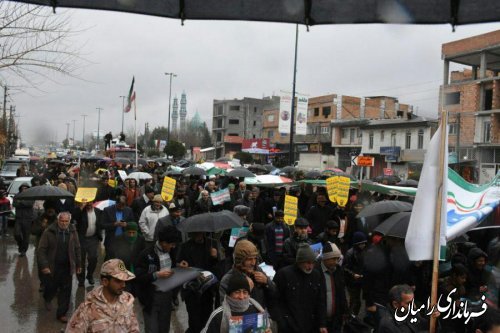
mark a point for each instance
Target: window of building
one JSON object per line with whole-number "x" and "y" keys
{"x": 316, "y": 112}
{"x": 420, "y": 139}
{"x": 326, "y": 111}
{"x": 400, "y": 114}
{"x": 352, "y": 135}
{"x": 487, "y": 131}
{"x": 234, "y": 121}
{"x": 453, "y": 128}
{"x": 234, "y": 108}
{"x": 408, "y": 140}
{"x": 393, "y": 138}
{"x": 283, "y": 134}
{"x": 370, "y": 141}
{"x": 255, "y": 110}
{"x": 255, "y": 122}
{"x": 253, "y": 136}
{"x": 325, "y": 130}
{"x": 220, "y": 110}
{"x": 382, "y": 134}
{"x": 452, "y": 98}
{"x": 270, "y": 118}
{"x": 219, "y": 137}
{"x": 233, "y": 134}
{"x": 488, "y": 99}
{"x": 343, "y": 133}
{"x": 270, "y": 134}
{"x": 219, "y": 123}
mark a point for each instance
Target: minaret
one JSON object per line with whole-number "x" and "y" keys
{"x": 183, "y": 113}
{"x": 175, "y": 115}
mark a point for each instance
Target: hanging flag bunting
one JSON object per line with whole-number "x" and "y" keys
{"x": 301, "y": 118}
{"x": 285, "y": 112}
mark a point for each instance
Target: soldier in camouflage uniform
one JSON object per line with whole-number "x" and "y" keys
{"x": 108, "y": 308}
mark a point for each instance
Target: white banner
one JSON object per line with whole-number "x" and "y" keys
{"x": 219, "y": 197}
{"x": 301, "y": 118}
{"x": 285, "y": 112}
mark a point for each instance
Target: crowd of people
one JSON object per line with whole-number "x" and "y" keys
{"x": 357, "y": 284}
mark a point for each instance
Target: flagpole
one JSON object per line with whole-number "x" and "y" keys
{"x": 135, "y": 131}
{"x": 437, "y": 227}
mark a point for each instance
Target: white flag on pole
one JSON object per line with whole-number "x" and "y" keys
{"x": 419, "y": 240}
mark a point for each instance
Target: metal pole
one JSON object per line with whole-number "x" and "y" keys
{"x": 83, "y": 133}
{"x": 292, "y": 121}
{"x": 169, "y": 104}
{"x": 74, "y": 121}
{"x": 98, "y": 125}
{"x": 458, "y": 143}
{"x": 123, "y": 111}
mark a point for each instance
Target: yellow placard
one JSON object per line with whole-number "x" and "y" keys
{"x": 168, "y": 188}
{"x": 291, "y": 207}
{"x": 85, "y": 194}
{"x": 331, "y": 187}
{"x": 343, "y": 184}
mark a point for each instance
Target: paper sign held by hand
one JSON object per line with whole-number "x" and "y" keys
{"x": 85, "y": 194}
{"x": 168, "y": 189}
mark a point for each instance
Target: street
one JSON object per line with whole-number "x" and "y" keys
{"x": 21, "y": 307}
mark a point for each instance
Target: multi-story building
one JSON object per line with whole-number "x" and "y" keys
{"x": 472, "y": 99}
{"x": 238, "y": 119}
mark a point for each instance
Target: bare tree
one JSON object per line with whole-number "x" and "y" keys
{"x": 35, "y": 43}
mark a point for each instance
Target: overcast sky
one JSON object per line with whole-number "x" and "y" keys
{"x": 216, "y": 60}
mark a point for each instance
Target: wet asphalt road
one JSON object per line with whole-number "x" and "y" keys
{"x": 21, "y": 304}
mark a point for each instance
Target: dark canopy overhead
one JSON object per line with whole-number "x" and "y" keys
{"x": 308, "y": 12}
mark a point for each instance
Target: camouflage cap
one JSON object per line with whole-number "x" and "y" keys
{"x": 116, "y": 268}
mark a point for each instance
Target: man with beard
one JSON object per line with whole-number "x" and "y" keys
{"x": 174, "y": 218}
{"x": 107, "y": 308}
{"x": 245, "y": 262}
{"x": 334, "y": 287}
{"x": 301, "y": 305}
{"x": 181, "y": 200}
{"x": 299, "y": 237}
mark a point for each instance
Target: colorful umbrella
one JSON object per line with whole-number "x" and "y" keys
{"x": 267, "y": 180}
{"x": 104, "y": 204}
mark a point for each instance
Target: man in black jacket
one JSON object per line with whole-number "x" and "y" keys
{"x": 299, "y": 237}
{"x": 24, "y": 218}
{"x": 301, "y": 305}
{"x": 320, "y": 213}
{"x": 89, "y": 227}
{"x": 277, "y": 232}
{"x": 142, "y": 202}
{"x": 334, "y": 287}
{"x": 205, "y": 253}
{"x": 154, "y": 263}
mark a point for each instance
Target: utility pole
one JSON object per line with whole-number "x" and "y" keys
{"x": 67, "y": 133}
{"x": 123, "y": 110}
{"x": 98, "y": 125}
{"x": 83, "y": 133}
{"x": 169, "y": 104}
{"x": 292, "y": 121}
{"x": 74, "y": 121}
{"x": 4, "y": 118}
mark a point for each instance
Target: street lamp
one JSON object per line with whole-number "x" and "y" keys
{"x": 169, "y": 104}
{"x": 98, "y": 125}
{"x": 83, "y": 133}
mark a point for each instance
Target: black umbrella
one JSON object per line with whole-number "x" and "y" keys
{"x": 44, "y": 192}
{"x": 239, "y": 172}
{"x": 384, "y": 207}
{"x": 194, "y": 171}
{"x": 57, "y": 162}
{"x": 172, "y": 173}
{"x": 122, "y": 160}
{"x": 258, "y": 169}
{"x": 395, "y": 226}
{"x": 313, "y": 174}
{"x": 269, "y": 167}
{"x": 312, "y": 12}
{"x": 211, "y": 222}
{"x": 163, "y": 160}
{"x": 288, "y": 169}
{"x": 389, "y": 180}
{"x": 408, "y": 183}
{"x": 142, "y": 161}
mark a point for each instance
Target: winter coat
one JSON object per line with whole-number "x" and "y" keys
{"x": 166, "y": 221}
{"x": 318, "y": 216}
{"x": 122, "y": 249}
{"x": 47, "y": 248}
{"x": 146, "y": 265}
{"x": 201, "y": 206}
{"x": 109, "y": 219}
{"x": 24, "y": 211}
{"x": 339, "y": 292}
{"x": 264, "y": 294}
{"x": 301, "y": 303}
{"x": 213, "y": 324}
{"x": 271, "y": 239}
{"x": 476, "y": 278}
{"x": 148, "y": 220}
{"x": 95, "y": 314}
{"x": 291, "y": 246}
{"x": 82, "y": 223}
{"x": 388, "y": 323}
{"x": 138, "y": 206}
{"x": 353, "y": 264}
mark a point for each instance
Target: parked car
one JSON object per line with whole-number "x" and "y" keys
{"x": 9, "y": 170}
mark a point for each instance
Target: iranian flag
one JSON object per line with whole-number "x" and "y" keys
{"x": 131, "y": 96}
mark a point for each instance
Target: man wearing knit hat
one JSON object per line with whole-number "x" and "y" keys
{"x": 128, "y": 246}
{"x": 334, "y": 287}
{"x": 301, "y": 304}
{"x": 246, "y": 262}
